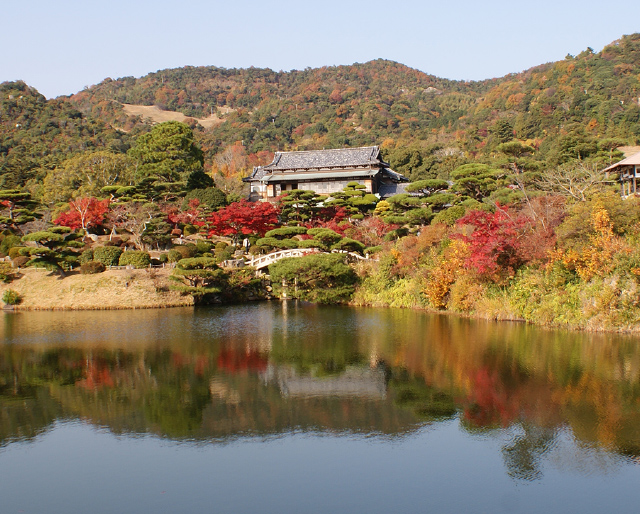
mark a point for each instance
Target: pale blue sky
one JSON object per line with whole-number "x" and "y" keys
{"x": 60, "y": 46}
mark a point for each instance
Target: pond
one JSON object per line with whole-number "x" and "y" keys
{"x": 290, "y": 407}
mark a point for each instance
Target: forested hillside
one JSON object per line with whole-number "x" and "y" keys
{"x": 37, "y": 134}
{"x": 583, "y": 106}
{"x": 562, "y": 109}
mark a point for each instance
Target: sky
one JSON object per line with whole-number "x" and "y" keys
{"x": 62, "y": 46}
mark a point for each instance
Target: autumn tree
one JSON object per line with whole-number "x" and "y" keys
{"x": 243, "y": 218}
{"x": 84, "y": 213}
{"x": 145, "y": 221}
{"x": 492, "y": 241}
{"x": 577, "y": 180}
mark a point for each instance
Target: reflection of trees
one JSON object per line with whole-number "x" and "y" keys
{"x": 506, "y": 374}
{"x": 227, "y": 379}
{"x": 523, "y": 455}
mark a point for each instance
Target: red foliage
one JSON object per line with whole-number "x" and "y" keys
{"x": 83, "y": 213}
{"x": 244, "y": 218}
{"x": 489, "y": 402}
{"x": 194, "y": 215}
{"x": 236, "y": 361}
{"x": 493, "y": 240}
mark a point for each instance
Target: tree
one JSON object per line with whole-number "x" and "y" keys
{"x": 298, "y": 205}
{"x": 16, "y": 208}
{"x": 53, "y": 248}
{"x": 84, "y": 213}
{"x": 492, "y": 240}
{"x": 86, "y": 174}
{"x": 168, "y": 158}
{"x": 576, "y": 180}
{"x": 243, "y": 218}
{"x": 146, "y": 223}
{"x": 475, "y": 180}
{"x": 321, "y": 278}
{"x": 199, "y": 276}
{"x": 210, "y": 198}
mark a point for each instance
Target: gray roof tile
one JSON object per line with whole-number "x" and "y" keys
{"x": 316, "y": 159}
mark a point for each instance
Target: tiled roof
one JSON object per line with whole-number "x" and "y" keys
{"x": 633, "y": 160}
{"x": 387, "y": 190}
{"x": 295, "y": 177}
{"x": 316, "y": 159}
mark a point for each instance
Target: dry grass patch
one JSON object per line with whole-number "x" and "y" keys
{"x": 157, "y": 115}
{"x": 113, "y": 289}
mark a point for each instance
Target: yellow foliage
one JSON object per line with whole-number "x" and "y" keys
{"x": 447, "y": 268}
{"x": 597, "y": 257}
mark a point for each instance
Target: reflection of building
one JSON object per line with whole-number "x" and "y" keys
{"x": 355, "y": 382}
{"x": 325, "y": 172}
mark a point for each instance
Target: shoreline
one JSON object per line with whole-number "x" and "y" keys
{"x": 150, "y": 289}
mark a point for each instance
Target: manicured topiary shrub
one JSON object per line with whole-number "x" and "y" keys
{"x": 204, "y": 247}
{"x": 174, "y": 255}
{"x": 15, "y": 251}
{"x": 135, "y": 258}
{"x": 11, "y": 297}
{"x": 86, "y": 256}
{"x": 349, "y": 245}
{"x": 20, "y": 261}
{"x": 186, "y": 251}
{"x": 370, "y": 250}
{"x": 9, "y": 242}
{"x": 92, "y": 267}
{"x": 190, "y": 230}
{"x": 286, "y": 232}
{"x": 308, "y": 243}
{"x": 449, "y": 216}
{"x": 107, "y": 255}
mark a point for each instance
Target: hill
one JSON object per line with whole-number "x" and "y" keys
{"x": 555, "y": 106}
{"x": 36, "y": 134}
{"x": 582, "y": 106}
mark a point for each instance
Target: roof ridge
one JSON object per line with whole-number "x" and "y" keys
{"x": 330, "y": 150}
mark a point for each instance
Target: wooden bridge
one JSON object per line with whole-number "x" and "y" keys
{"x": 262, "y": 261}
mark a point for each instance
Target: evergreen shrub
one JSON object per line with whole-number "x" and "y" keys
{"x": 136, "y": 258}
{"x": 86, "y": 256}
{"x": 11, "y": 297}
{"x": 107, "y": 255}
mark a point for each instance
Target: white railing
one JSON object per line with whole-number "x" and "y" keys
{"x": 262, "y": 261}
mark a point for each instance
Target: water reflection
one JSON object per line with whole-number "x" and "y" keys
{"x": 225, "y": 373}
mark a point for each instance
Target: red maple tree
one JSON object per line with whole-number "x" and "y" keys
{"x": 193, "y": 215}
{"x": 243, "y": 218}
{"x": 493, "y": 239}
{"x": 83, "y": 213}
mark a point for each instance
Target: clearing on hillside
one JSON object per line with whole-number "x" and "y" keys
{"x": 157, "y": 115}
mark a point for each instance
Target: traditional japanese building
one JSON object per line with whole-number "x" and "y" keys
{"x": 325, "y": 172}
{"x": 627, "y": 170}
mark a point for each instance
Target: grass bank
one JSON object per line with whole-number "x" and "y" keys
{"x": 113, "y": 289}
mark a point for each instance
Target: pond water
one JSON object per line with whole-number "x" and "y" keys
{"x": 288, "y": 407}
